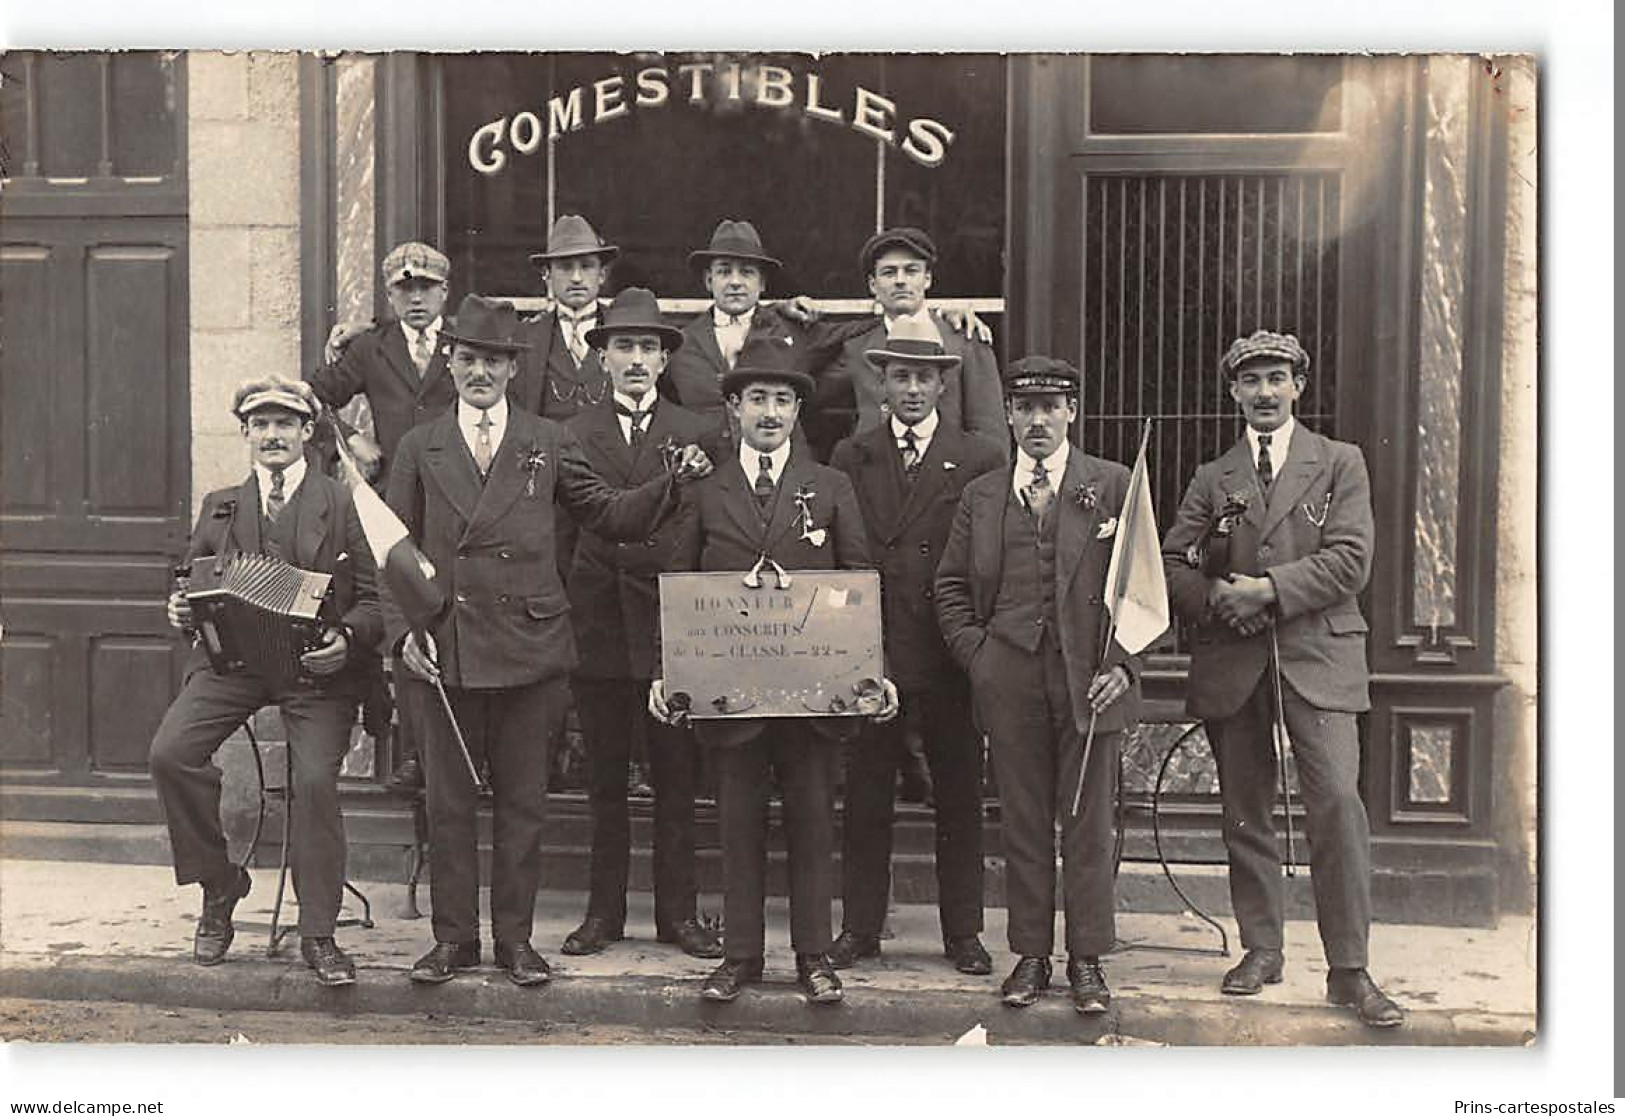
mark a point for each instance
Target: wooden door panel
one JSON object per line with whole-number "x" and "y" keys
{"x": 129, "y": 691}
{"x": 27, "y": 665}
{"x": 26, "y": 456}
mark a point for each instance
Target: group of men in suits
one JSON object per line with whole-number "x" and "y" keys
{"x": 674, "y": 449}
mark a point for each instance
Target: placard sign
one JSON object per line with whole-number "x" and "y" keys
{"x": 809, "y": 649}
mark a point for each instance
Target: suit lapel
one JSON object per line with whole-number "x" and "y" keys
{"x": 507, "y": 475}
{"x": 400, "y": 361}
{"x": 739, "y": 498}
{"x": 987, "y": 539}
{"x": 648, "y": 460}
{"x": 884, "y": 482}
{"x": 1301, "y": 467}
{"x": 447, "y": 460}
{"x": 706, "y": 337}
{"x": 1241, "y": 479}
{"x": 605, "y": 434}
{"x": 930, "y": 479}
{"x": 313, "y": 510}
{"x": 245, "y": 520}
{"x": 785, "y": 514}
{"x": 1074, "y": 524}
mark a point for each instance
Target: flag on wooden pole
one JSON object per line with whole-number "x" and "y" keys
{"x": 406, "y": 571}
{"x": 1138, "y": 598}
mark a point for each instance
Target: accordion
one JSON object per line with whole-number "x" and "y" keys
{"x": 257, "y": 614}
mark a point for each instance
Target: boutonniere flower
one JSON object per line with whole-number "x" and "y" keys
{"x": 1107, "y": 528}
{"x": 804, "y": 497}
{"x": 1086, "y": 496}
{"x": 948, "y": 466}
{"x": 532, "y": 462}
{"x": 1235, "y": 506}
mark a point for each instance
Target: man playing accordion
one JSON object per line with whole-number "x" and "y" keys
{"x": 286, "y": 511}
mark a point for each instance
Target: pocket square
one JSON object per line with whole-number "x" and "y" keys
{"x": 1107, "y": 528}
{"x": 949, "y": 465}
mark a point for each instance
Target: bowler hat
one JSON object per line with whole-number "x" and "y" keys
{"x": 274, "y": 391}
{"x": 634, "y": 310}
{"x": 415, "y": 260}
{"x": 573, "y": 236}
{"x": 734, "y": 240}
{"x": 767, "y": 358}
{"x": 912, "y": 340}
{"x": 487, "y": 323}
{"x": 1261, "y": 344}
{"x": 914, "y": 240}
{"x": 1041, "y": 375}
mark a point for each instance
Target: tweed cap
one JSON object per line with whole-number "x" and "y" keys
{"x": 1041, "y": 375}
{"x": 415, "y": 260}
{"x": 1262, "y": 344}
{"x": 912, "y": 239}
{"x": 275, "y": 391}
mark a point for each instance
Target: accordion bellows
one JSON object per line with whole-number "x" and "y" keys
{"x": 257, "y": 614}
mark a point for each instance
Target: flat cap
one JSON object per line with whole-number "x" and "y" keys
{"x": 912, "y": 239}
{"x": 1041, "y": 375}
{"x": 1262, "y": 344}
{"x": 274, "y": 391}
{"x": 415, "y": 260}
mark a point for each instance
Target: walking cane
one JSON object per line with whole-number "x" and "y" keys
{"x": 456, "y": 729}
{"x": 1283, "y": 744}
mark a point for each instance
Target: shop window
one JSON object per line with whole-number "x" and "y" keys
{"x": 1149, "y": 94}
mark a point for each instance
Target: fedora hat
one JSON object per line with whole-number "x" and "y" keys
{"x": 912, "y": 340}
{"x": 573, "y": 236}
{"x": 1042, "y": 375}
{"x": 767, "y": 358}
{"x": 634, "y": 310}
{"x": 488, "y": 323}
{"x": 734, "y": 240}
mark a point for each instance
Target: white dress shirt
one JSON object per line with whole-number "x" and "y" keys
{"x": 574, "y": 326}
{"x": 1280, "y": 442}
{"x": 731, "y": 330}
{"x": 646, "y": 405}
{"x": 292, "y": 477}
{"x": 430, "y": 334}
{"x": 751, "y": 461}
{"x": 924, "y": 431}
{"x": 923, "y": 316}
{"x": 1054, "y": 470}
{"x": 468, "y": 421}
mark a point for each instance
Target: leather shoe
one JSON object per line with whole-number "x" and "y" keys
{"x": 214, "y": 930}
{"x": 524, "y": 965}
{"x": 693, "y": 938}
{"x": 332, "y": 965}
{"x": 1355, "y": 988}
{"x": 968, "y": 955}
{"x": 592, "y": 936}
{"x": 729, "y": 979}
{"x": 852, "y": 947}
{"x": 1030, "y": 977}
{"x": 817, "y": 978}
{"x": 1090, "y": 996}
{"x": 1258, "y": 968}
{"x": 408, "y": 777}
{"x": 445, "y": 961}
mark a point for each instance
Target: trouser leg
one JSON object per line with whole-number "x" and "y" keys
{"x": 318, "y": 738}
{"x": 742, "y": 794}
{"x": 953, "y": 754}
{"x": 209, "y": 708}
{"x": 452, "y": 801}
{"x": 1248, "y": 781}
{"x": 602, "y": 706}
{"x": 806, "y": 761}
{"x": 869, "y": 798}
{"x": 524, "y": 722}
{"x": 673, "y": 771}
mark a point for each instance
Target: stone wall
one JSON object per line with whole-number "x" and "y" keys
{"x": 1516, "y": 748}
{"x": 243, "y": 142}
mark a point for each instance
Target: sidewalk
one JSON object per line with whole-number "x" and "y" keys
{"x": 94, "y": 931}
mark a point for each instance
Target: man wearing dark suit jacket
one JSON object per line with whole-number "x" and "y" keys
{"x": 476, "y": 489}
{"x": 745, "y": 514}
{"x": 560, "y": 374}
{"x": 909, "y": 474}
{"x": 400, "y": 366}
{"x": 1020, "y": 593}
{"x": 897, "y": 264}
{"x": 615, "y": 604}
{"x": 292, "y": 512}
{"x": 1281, "y": 607}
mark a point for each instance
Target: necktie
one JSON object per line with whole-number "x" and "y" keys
{"x": 911, "y": 453}
{"x": 731, "y": 337}
{"x": 482, "y": 443}
{"x": 1038, "y": 491}
{"x": 1266, "y": 469}
{"x": 764, "y": 482}
{"x": 637, "y": 418}
{"x": 276, "y": 500}
{"x": 420, "y": 351}
{"x": 575, "y": 335}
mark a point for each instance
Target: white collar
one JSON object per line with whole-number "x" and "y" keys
{"x": 923, "y": 316}
{"x": 1054, "y": 468}
{"x": 292, "y": 477}
{"x": 586, "y": 314}
{"x": 430, "y": 331}
{"x": 721, "y": 319}
{"x": 632, "y": 405}
{"x": 924, "y": 430}
{"x": 468, "y": 417}
{"x": 1280, "y": 441}
{"x": 750, "y": 460}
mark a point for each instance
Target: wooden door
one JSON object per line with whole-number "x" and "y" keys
{"x": 95, "y": 444}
